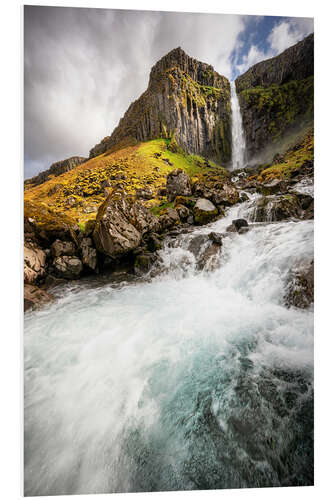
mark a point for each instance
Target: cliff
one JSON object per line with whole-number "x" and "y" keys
{"x": 186, "y": 100}
{"x": 276, "y": 96}
{"x": 57, "y": 168}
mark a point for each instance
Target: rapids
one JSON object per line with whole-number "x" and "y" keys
{"x": 186, "y": 380}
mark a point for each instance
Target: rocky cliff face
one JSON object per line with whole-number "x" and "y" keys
{"x": 57, "y": 168}
{"x": 186, "y": 100}
{"x": 277, "y": 95}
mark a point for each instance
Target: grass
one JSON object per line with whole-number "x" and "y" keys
{"x": 130, "y": 168}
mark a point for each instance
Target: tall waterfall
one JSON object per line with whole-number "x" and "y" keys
{"x": 238, "y": 138}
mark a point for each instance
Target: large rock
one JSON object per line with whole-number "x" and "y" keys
{"x": 59, "y": 248}
{"x": 67, "y": 266}
{"x": 34, "y": 263}
{"x": 120, "y": 224}
{"x": 35, "y": 297}
{"x": 300, "y": 286}
{"x": 178, "y": 184}
{"x": 204, "y": 211}
{"x": 275, "y": 208}
{"x": 206, "y": 248}
{"x": 225, "y": 194}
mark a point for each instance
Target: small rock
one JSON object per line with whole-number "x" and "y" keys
{"x": 178, "y": 183}
{"x": 68, "y": 266}
{"x": 59, "y": 248}
{"x": 239, "y": 223}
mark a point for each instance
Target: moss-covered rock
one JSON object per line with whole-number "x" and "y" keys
{"x": 204, "y": 211}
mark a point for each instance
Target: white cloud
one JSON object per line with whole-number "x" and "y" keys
{"x": 287, "y": 33}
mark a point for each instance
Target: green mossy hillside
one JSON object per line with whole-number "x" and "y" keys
{"x": 74, "y": 197}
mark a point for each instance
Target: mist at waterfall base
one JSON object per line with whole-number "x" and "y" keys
{"x": 188, "y": 380}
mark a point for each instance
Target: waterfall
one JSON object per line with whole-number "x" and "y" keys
{"x": 189, "y": 380}
{"x": 238, "y": 138}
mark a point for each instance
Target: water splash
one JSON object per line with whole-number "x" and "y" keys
{"x": 192, "y": 380}
{"x": 238, "y": 138}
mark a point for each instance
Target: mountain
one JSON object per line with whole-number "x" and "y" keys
{"x": 276, "y": 96}
{"x": 186, "y": 100}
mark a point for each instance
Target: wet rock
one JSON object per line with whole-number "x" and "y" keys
{"x": 209, "y": 259}
{"x": 143, "y": 263}
{"x": 239, "y": 223}
{"x": 216, "y": 237}
{"x": 35, "y": 297}
{"x": 59, "y": 248}
{"x": 204, "y": 211}
{"x": 300, "y": 286}
{"x": 178, "y": 183}
{"x": 153, "y": 242}
{"x": 121, "y": 223}
{"x": 274, "y": 187}
{"x": 206, "y": 249}
{"x": 243, "y": 197}
{"x": 276, "y": 208}
{"x": 34, "y": 263}
{"x": 68, "y": 266}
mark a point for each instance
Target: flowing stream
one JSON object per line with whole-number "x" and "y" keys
{"x": 189, "y": 380}
{"x": 238, "y": 159}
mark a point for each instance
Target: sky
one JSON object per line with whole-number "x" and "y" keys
{"x": 83, "y": 67}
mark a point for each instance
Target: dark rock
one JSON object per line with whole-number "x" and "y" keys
{"x": 275, "y": 208}
{"x": 143, "y": 263}
{"x": 67, "y": 266}
{"x": 169, "y": 218}
{"x": 300, "y": 286}
{"x": 178, "y": 183}
{"x": 239, "y": 223}
{"x": 216, "y": 238}
{"x": 88, "y": 254}
{"x": 183, "y": 212}
{"x": 153, "y": 242}
{"x": 59, "y": 248}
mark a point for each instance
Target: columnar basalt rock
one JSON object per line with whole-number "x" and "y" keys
{"x": 57, "y": 168}
{"x": 186, "y": 100}
{"x": 276, "y": 96}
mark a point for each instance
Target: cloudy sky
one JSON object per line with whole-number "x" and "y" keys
{"x": 83, "y": 67}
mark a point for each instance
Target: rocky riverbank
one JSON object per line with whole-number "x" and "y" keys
{"x": 126, "y": 235}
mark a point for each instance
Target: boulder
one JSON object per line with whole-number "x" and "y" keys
{"x": 34, "y": 263}
{"x": 206, "y": 249}
{"x": 274, "y": 187}
{"x": 68, "y": 266}
{"x": 35, "y": 297}
{"x": 143, "y": 263}
{"x": 183, "y": 212}
{"x": 178, "y": 183}
{"x": 300, "y": 286}
{"x": 239, "y": 223}
{"x": 169, "y": 218}
{"x": 204, "y": 211}
{"x": 225, "y": 194}
{"x": 120, "y": 224}
{"x": 275, "y": 208}
{"x": 59, "y": 248}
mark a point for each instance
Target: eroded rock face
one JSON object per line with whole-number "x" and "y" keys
{"x": 35, "y": 297}
{"x": 34, "y": 263}
{"x": 68, "y": 266}
{"x": 178, "y": 184}
{"x": 204, "y": 211}
{"x": 185, "y": 99}
{"x": 120, "y": 224}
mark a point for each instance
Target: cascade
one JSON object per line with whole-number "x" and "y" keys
{"x": 238, "y": 138}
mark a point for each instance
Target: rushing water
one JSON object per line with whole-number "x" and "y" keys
{"x": 238, "y": 159}
{"x": 189, "y": 380}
